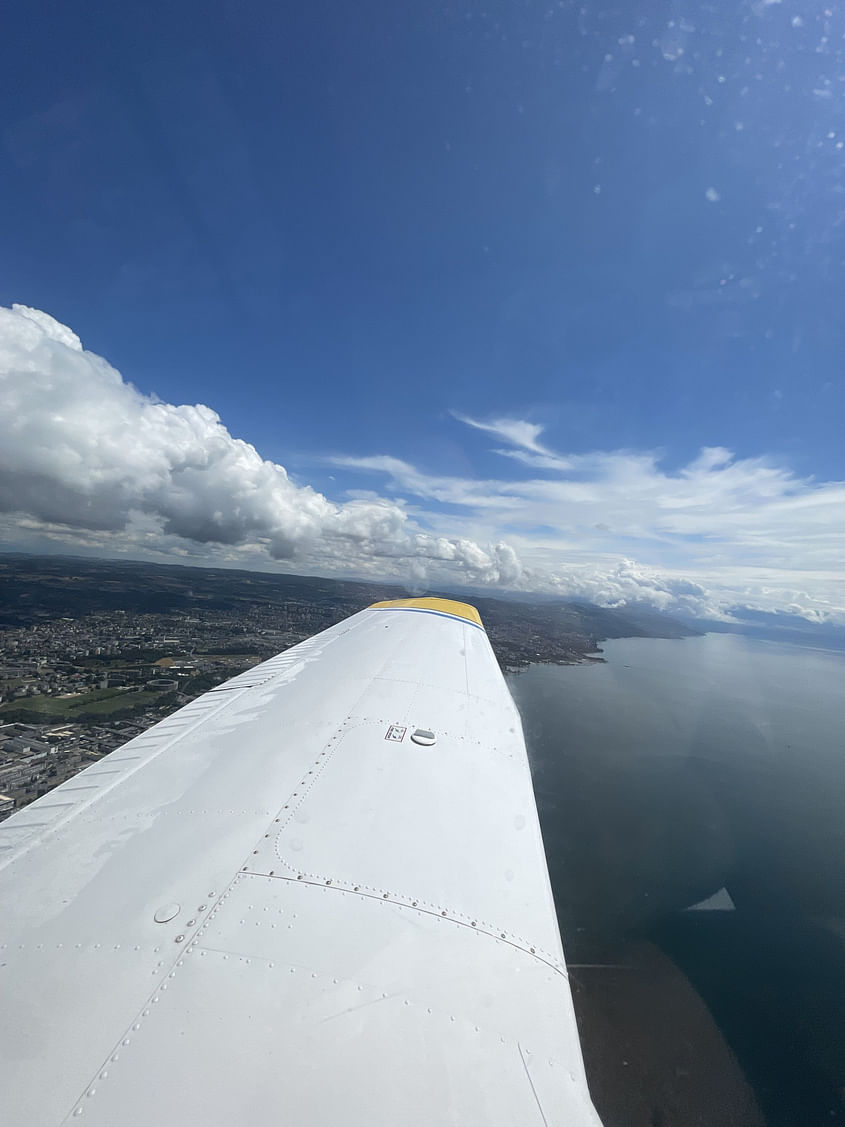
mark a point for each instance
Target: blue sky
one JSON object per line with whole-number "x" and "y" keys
{"x": 344, "y": 226}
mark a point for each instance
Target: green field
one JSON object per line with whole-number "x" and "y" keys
{"x": 99, "y": 702}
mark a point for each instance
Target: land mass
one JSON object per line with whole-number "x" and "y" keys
{"x": 38, "y": 589}
{"x": 92, "y": 652}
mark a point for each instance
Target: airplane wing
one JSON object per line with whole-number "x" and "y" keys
{"x": 315, "y": 895}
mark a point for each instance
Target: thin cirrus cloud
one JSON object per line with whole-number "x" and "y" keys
{"x": 517, "y": 432}
{"x": 90, "y": 463}
{"x": 613, "y": 526}
{"x": 522, "y": 438}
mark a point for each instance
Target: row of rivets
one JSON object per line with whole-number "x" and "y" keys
{"x": 516, "y": 940}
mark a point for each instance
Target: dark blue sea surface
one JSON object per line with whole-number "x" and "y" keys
{"x": 681, "y": 768}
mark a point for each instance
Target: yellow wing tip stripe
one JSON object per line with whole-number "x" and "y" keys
{"x": 439, "y": 606}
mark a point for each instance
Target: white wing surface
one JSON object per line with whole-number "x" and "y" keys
{"x": 315, "y": 895}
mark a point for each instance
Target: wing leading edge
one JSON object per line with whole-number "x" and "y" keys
{"x": 317, "y": 893}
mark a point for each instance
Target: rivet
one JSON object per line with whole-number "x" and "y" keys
{"x": 254, "y": 851}
{"x": 78, "y": 1111}
{"x": 104, "y": 1074}
{"x": 91, "y": 1092}
{"x": 179, "y": 938}
{"x": 266, "y": 835}
{"x": 473, "y": 923}
{"x": 299, "y": 877}
{"x": 211, "y": 895}
{"x": 243, "y": 870}
{"x": 136, "y": 1026}
{"x": 328, "y": 882}
{"x": 413, "y": 904}
{"x": 125, "y": 1041}
{"x": 272, "y": 872}
{"x": 532, "y": 950}
{"x": 386, "y": 895}
{"x": 502, "y": 935}
{"x": 355, "y": 889}
{"x": 442, "y": 913}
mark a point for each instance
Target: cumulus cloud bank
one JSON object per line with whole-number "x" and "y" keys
{"x": 88, "y": 461}
{"x": 82, "y": 449}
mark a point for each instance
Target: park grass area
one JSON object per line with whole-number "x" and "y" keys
{"x": 99, "y": 702}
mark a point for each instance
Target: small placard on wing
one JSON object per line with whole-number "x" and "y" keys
{"x": 396, "y": 733}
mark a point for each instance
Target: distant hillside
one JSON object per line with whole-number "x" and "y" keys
{"x": 780, "y": 627}
{"x": 36, "y": 589}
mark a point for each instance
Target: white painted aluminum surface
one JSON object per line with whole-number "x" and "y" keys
{"x": 356, "y": 929}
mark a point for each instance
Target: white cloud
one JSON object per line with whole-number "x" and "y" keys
{"x": 81, "y": 449}
{"x": 538, "y": 461}
{"x": 518, "y": 432}
{"x": 89, "y": 463}
{"x": 719, "y": 532}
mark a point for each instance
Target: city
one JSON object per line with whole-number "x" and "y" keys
{"x": 74, "y": 689}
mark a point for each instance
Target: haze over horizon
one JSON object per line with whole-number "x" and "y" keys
{"x": 541, "y": 299}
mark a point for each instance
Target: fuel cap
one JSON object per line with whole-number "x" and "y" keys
{"x": 423, "y": 736}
